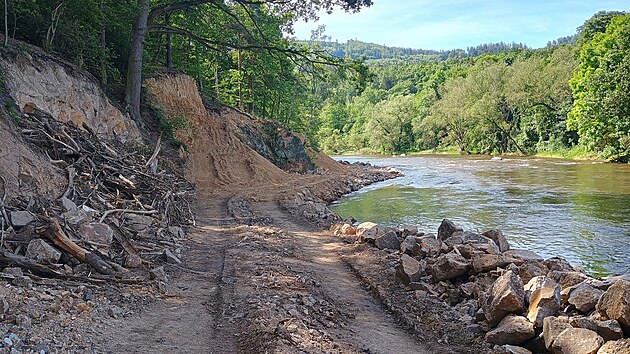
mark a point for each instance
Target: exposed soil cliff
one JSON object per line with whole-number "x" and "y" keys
{"x": 37, "y": 80}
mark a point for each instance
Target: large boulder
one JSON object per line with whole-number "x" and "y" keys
{"x": 524, "y": 255}
{"x": 447, "y": 228}
{"x": 577, "y": 341}
{"x": 609, "y": 330}
{"x": 584, "y": 297}
{"x": 429, "y": 246}
{"x": 529, "y": 270}
{"x": 409, "y": 230}
{"x": 620, "y": 346}
{"x": 449, "y": 266}
{"x": 483, "y": 262}
{"x": 367, "y": 231}
{"x": 498, "y": 238}
{"x": 40, "y": 251}
{"x": 387, "y": 240}
{"x": 552, "y": 327}
{"x": 408, "y": 270}
{"x": 410, "y": 246}
{"x": 511, "y": 330}
{"x": 615, "y": 304}
{"x": 544, "y": 299}
{"x": 506, "y": 296}
{"x": 559, "y": 264}
{"x": 567, "y": 279}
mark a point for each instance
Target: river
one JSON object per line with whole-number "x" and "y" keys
{"x": 577, "y": 210}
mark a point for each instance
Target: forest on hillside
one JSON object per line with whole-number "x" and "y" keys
{"x": 571, "y": 97}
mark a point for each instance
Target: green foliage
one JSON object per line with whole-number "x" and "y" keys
{"x": 601, "y": 111}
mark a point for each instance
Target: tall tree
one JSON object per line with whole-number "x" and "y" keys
{"x": 601, "y": 111}
{"x": 147, "y": 16}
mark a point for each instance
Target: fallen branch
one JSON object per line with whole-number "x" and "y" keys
{"x": 59, "y": 238}
{"x": 153, "y": 159}
{"x": 130, "y": 211}
{"x": 9, "y": 258}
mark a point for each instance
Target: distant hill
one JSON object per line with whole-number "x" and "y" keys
{"x": 355, "y": 49}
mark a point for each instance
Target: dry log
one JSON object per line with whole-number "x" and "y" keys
{"x": 9, "y": 258}
{"x": 59, "y": 238}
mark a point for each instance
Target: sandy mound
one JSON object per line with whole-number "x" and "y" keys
{"x": 216, "y": 158}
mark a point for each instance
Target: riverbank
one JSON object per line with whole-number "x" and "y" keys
{"x": 504, "y": 297}
{"x": 576, "y": 153}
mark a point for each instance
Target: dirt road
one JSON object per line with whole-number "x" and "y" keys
{"x": 280, "y": 287}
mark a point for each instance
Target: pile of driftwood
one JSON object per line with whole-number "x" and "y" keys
{"x": 121, "y": 210}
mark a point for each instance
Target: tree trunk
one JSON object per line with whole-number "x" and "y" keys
{"x": 103, "y": 51}
{"x": 134, "y": 67}
{"x": 240, "y": 80}
{"x": 216, "y": 82}
{"x": 169, "y": 46}
{"x": 6, "y": 23}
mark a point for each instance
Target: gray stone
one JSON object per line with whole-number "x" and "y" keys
{"x": 529, "y": 270}
{"x": 544, "y": 299}
{"x": 170, "y": 257}
{"x": 408, "y": 270}
{"x": 15, "y": 271}
{"x": 449, "y": 266}
{"x": 67, "y": 204}
{"x": 486, "y": 262}
{"x": 21, "y": 218}
{"x": 138, "y": 223}
{"x": 76, "y": 216}
{"x": 524, "y": 255}
{"x": 40, "y": 251}
{"x": 158, "y": 273}
{"x": 4, "y": 305}
{"x": 409, "y": 230}
{"x": 615, "y": 304}
{"x": 97, "y": 233}
{"x": 621, "y": 346}
{"x": 559, "y": 264}
{"x": 388, "y": 240}
{"x": 446, "y": 229}
{"x": 552, "y": 327}
{"x": 23, "y": 282}
{"x": 429, "y": 246}
{"x": 577, "y": 341}
{"x": 115, "y": 312}
{"x": 179, "y": 232}
{"x": 506, "y": 296}
{"x": 498, "y": 238}
{"x": 133, "y": 261}
{"x": 410, "y": 246}
{"x": 511, "y": 330}
{"x": 609, "y": 330}
{"x": 584, "y": 297}
{"x": 567, "y": 278}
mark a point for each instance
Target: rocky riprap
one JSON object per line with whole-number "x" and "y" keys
{"x": 513, "y": 300}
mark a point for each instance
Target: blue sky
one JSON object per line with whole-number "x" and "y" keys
{"x": 435, "y": 24}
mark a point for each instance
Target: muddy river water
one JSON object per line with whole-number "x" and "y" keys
{"x": 577, "y": 210}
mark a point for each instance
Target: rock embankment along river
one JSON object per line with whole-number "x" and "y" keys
{"x": 517, "y": 301}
